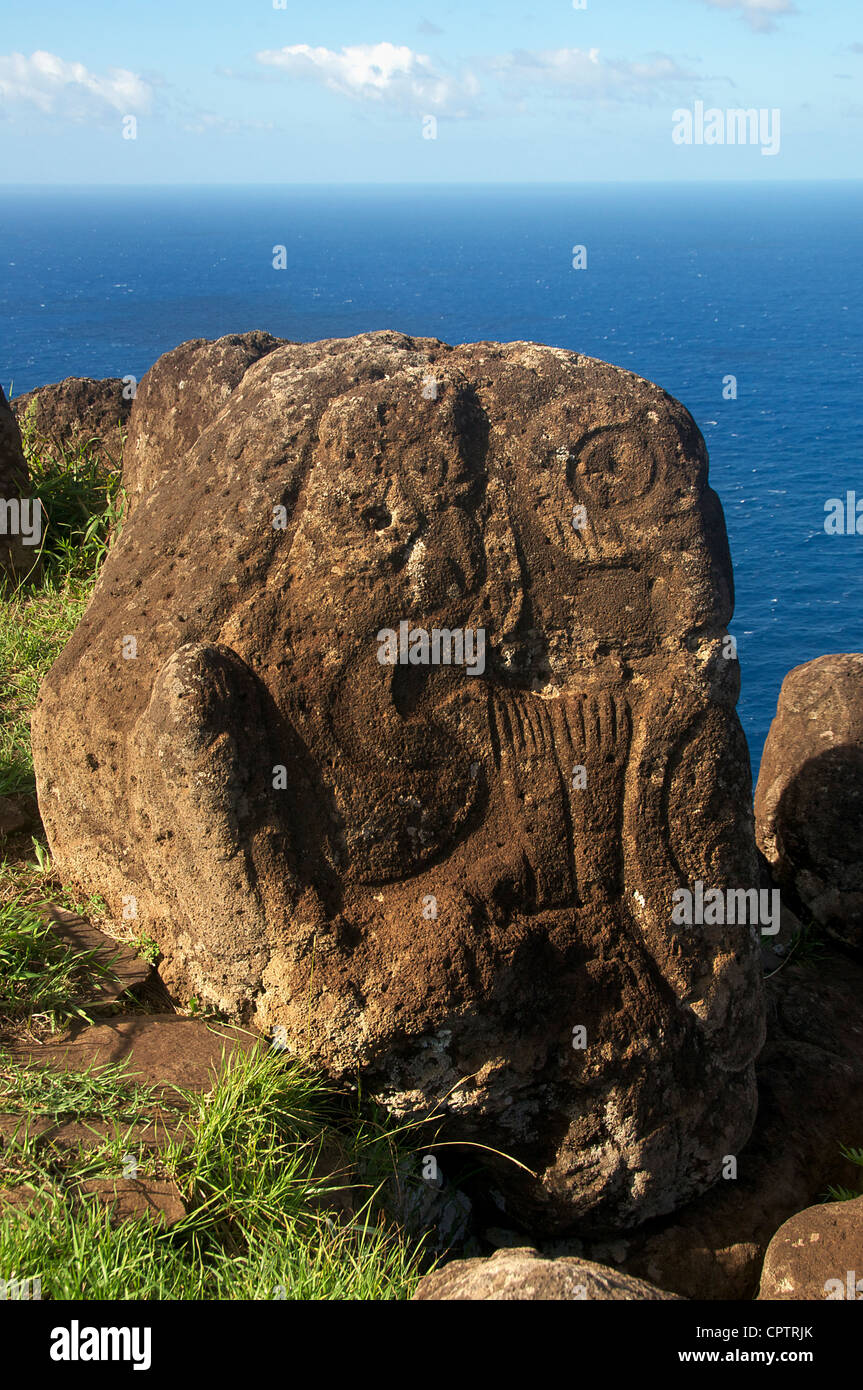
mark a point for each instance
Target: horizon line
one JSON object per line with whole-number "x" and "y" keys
{"x": 441, "y": 183}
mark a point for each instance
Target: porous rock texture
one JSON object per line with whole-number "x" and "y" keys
{"x": 16, "y": 558}
{"x": 402, "y": 864}
{"x": 809, "y": 797}
{"x": 79, "y": 410}
{"x": 810, "y": 1108}
{"x": 818, "y": 1254}
{"x": 524, "y": 1276}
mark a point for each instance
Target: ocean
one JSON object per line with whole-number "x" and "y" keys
{"x": 687, "y": 285}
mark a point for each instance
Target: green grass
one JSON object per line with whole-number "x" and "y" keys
{"x": 263, "y": 1220}
{"x": 83, "y": 502}
{"x": 108, "y": 1093}
{"x": 259, "y": 1223}
{"x": 847, "y": 1194}
{"x": 34, "y": 629}
{"x": 40, "y": 977}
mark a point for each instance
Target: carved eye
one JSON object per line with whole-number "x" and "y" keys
{"x": 613, "y": 465}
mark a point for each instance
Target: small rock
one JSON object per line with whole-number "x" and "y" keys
{"x": 818, "y": 1254}
{"x": 17, "y": 813}
{"x": 124, "y": 970}
{"x": 70, "y": 413}
{"x": 523, "y": 1275}
{"x": 163, "y": 1049}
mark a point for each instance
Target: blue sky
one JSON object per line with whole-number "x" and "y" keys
{"x": 342, "y": 92}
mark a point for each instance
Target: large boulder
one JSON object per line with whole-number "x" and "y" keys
{"x": 524, "y": 1276}
{"x": 20, "y": 530}
{"x": 809, "y": 798}
{"x": 455, "y": 879}
{"x": 818, "y": 1254}
{"x": 79, "y": 412}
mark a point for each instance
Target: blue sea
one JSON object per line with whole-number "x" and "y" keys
{"x": 686, "y": 285}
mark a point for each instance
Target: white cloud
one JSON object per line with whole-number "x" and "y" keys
{"x": 57, "y": 87}
{"x": 385, "y": 72}
{"x": 381, "y": 72}
{"x": 760, "y": 15}
{"x": 583, "y": 75}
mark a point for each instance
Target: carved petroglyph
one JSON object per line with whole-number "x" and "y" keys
{"x": 546, "y": 806}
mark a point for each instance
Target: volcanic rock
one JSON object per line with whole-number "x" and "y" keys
{"x": 522, "y": 1275}
{"x": 810, "y": 1108}
{"x": 78, "y": 412}
{"x": 183, "y": 393}
{"x": 809, "y": 798}
{"x": 455, "y": 878}
{"x": 818, "y": 1254}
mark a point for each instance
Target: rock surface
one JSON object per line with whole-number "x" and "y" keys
{"x": 810, "y": 1087}
{"x": 180, "y": 396}
{"x": 130, "y": 1199}
{"x": 16, "y": 557}
{"x": 522, "y": 1275}
{"x": 19, "y": 1131}
{"x": 818, "y": 1254}
{"x": 114, "y": 966}
{"x": 809, "y": 798}
{"x": 432, "y": 876}
{"x": 78, "y": 411}
{"x": 159, "y": 1049}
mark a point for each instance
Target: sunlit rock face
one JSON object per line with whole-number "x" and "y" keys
{"x": 454, "y": 877}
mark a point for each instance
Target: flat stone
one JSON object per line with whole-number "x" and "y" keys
{"x": 130, "y": 1199}
{"x": 523, "y": 1275}
{"x": 161, "y": 1049}
{"x": 16, "y": 1131}
{"x": 124, "y": 969}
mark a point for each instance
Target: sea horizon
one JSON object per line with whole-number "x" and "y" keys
{"x": 100, "y": 280}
